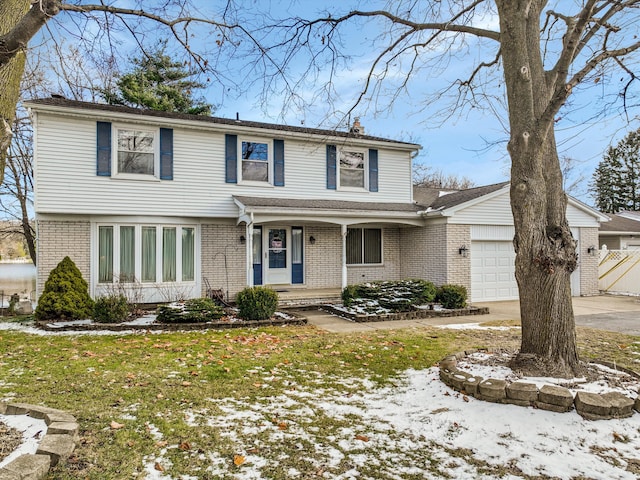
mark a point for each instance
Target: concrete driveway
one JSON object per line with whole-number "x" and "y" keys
{"x": 604, "y": 312}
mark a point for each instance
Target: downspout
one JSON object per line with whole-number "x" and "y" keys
{"x": 343, "y": 231}
{"x": 249, "y": 251}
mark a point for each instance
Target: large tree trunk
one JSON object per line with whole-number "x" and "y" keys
{"x": 11, "y": 11}
{"x": 545, "y": 249}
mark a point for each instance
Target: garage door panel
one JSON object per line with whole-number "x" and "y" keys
{"x": 492, "y": 271}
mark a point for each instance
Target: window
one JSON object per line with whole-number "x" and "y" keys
{"x": 255, "y": 162}
{"x": 352, "y": 168}
{"x": 364, "y": 246}
{"x": 146, "y": 253}
{"x": 136, "y": 152}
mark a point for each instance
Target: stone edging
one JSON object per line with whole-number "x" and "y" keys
{"x": 591, "y": 406}
{"x": 174, "y": 327}
{"x": 412, "y": 315}
{"x": 56, "y": 445}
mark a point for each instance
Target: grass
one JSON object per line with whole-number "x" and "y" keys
{"x": 169, "y": 394}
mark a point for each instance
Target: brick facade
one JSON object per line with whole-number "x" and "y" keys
{"x": 458, "y": 266}
{"x": 57, "y": 239}
{"x": 223, "y": 258}
{"x": 588, "y": 263}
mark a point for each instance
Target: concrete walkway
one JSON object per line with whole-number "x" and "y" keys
{"x": 604, "y": 312}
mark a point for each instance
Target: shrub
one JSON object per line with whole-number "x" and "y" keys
{"x": 195, "y": 310}
{"x": 111, "y": 309}
{"x": 65, "y": 295}
{"x": 257, "y": 303}
{"x": 424, "y": 291}
{"x": 349, "y": 294}
{"x": 452, "y": 296}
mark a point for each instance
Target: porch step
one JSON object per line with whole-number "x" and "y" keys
{"x": 291, "y": 298}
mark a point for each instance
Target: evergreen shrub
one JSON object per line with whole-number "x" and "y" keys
{"x": 195, "y": 310}
{"x": 111, "y": 309}
{"x": 452, "y": 296}
{"x": 65, "y": 295}
{"x": 257, "y": 303}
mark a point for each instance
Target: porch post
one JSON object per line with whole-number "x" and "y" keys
{"x": 343, "y": 231}
{"x": 249, "y": 253}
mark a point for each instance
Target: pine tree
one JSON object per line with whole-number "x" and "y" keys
{"x": 616, "y": 180}
{"x": 158, "y": 82}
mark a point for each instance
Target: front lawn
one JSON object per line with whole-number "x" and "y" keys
{"x": 216, "y": 404}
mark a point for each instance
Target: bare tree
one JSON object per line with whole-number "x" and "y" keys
{"x": 98, "y": 24}
{"x": 426, "y": 176}
{"x": 528, "y": 56}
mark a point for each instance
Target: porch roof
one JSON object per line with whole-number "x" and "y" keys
{"x": 342, "y": 212}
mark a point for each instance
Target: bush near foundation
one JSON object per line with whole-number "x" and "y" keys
{"x": 196, "y": 310}
{"x": 452, "y": 296}
{"x": 257, "y": 303}
{"x": 65, "y": 295}
{"x": 396, "y": 296}
{"x": 111, "y": 309}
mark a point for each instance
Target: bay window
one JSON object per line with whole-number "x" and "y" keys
{"x": 146, "y": 253}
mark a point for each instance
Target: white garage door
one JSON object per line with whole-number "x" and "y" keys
{"x": 492, "y": 271}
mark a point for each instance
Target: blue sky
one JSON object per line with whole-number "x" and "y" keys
{"x": 471, "y": 144}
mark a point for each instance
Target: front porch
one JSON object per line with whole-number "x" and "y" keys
{"x": 292, "y": 297}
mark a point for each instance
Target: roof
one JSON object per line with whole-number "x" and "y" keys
{"x": 58, "y": 103}
{"x": 620, "y": 224}
{"x": 439, "y": 199}
{"x": 324, "y": 205}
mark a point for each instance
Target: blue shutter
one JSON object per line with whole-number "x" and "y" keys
{"x": 166, "y": 154}
{"x": 278, "y": 163}
{"x": 373, "y": 170}
{"x": 103, "y": 144}
{"x": 231, "y": 158}
{"x": 331, "y": 167}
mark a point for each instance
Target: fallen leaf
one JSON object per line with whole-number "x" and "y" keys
{"x": 238, "y": 460}
{"x": 364, "y": 438}
{"x": 185, "y": 446}
{"x": 282, "y": 426}
{"x": 115, "y": 425}
{"x": 465, "y": 398}
{"x": 158, "y": 467}
{"x": 161, "y": 443}
{"x": 186, "y": 383}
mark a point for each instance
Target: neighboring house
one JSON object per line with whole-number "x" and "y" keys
{"x": 165, "y": 204}
{"x": 622, "y": 232}
{"x": 477, "y": 225}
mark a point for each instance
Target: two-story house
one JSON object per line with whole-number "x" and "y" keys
{"x": 166, "y": 203}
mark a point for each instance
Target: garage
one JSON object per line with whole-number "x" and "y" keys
{"x": 492, "y": 271}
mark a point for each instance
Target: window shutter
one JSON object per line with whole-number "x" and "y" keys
{"x": 103, "y": 144}
{"x": 331, "y": 167}
{"x": 278, "y": 163}
{"x": 373, "y": 170}
{"x": 166, "y": 154}
{"x": 231, "y": 158}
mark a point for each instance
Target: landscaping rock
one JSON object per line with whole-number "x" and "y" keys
{"x": 637, "y": 404}
{"x": 449, "y": 362}
{"x": 58, "y": 447}
{"x": 492, "y": 390}
{"x": 592, "y": 406}
{"x": 27, "y": 467}
{"x": 59, "y": 416}
{"x": 471, "y": 385}
{"x": 551, "y": 407}
{"x": 554, "y": 395}
{"x": 621, "y": 406}
{"x": 446, "y": 374}
{"x": 65, "y": 428}
{"x": 3, "y": 408}
{"x": 522, "y": 393}
{"x": 458, "y": 379}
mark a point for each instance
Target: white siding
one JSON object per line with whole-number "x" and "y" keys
{"x": 497, "y": 211}
{"x": 67, "y": 180}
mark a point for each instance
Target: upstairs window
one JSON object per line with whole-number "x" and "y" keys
{"x": 136, "y": 152}
{"x": 352, "y": 168}
{"x": 255, "y": 162}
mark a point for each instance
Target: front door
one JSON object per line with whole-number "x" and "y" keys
{"x": 277, "y": 254}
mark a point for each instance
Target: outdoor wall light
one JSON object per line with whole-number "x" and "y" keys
{"x": 592, "y": 250}
{"x": 464, "y": 251}
{"x": 312, "y": 240}
{"x": 243, "y": 239}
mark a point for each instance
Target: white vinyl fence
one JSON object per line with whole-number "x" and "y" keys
{"x": 619, "y": 271}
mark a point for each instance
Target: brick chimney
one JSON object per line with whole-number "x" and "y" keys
{"x": 357, "y": 128}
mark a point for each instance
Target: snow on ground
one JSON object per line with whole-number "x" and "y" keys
{"x": 409, "y": 425}
{"x": 32, "y": 431}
